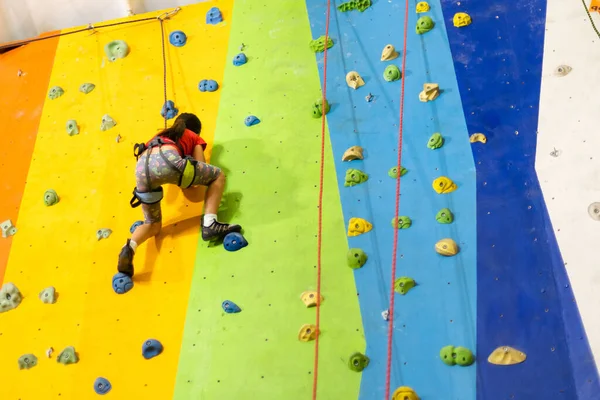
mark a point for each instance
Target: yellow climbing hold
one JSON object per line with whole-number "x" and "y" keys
{"x": 461, "y": 19}
{"x": 446, "y": 247}
{"x": 506, "y": 355}
{"x": 353, "y": 153}
{"x": 422, "y": 7}
{"x": 478, "y": 137}
{"x": 443, "y": 185}
{"x": 309, "y": 298}
{"x": 354, "y": 80}
{"x": 430, "y": 92}
{"x": 356, "y": 226}
{"x": 388, "y": 53}
{"x": 307, "y": 333}
{"x": 405, "y": 393}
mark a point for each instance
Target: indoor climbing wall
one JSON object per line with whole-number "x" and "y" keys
{"x": 478, "y": 271}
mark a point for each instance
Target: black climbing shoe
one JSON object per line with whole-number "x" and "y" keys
{"x": 125, "y": 265}
{"x": 217, "y": 230}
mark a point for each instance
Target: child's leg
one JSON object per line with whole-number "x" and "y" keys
{"x": 150, "y": 228}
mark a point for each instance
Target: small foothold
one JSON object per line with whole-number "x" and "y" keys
{"x": 309, "y": 298}
{"x": 385, "y": 314}
{"x": 27, "y": 361}
{"x": 50, "y": 197}
{"x": 402, "y": 222}
{"x": 118, "y": 138}
{"x": 49, "y": 352}
{"x": 169, "y": 111}
{"x": 594, "y": 211}
{"x": 103, "y": 233}
{"x": 318, "y": 45}
{"x": 8, "y": 229}
{"x": 358, "y": 361}
{"x": 107, "y": 123}
{"x": 307, "y": 333}
{"x": 19, "y": 73}
{"x": 446, "y": 247}
{"x": 251, "y": 120}
{"x": 317, "y": 108}
{"x": 116, "y": 49}
{"x": 461, "y": 19}
{"x": 430, "y": 92}
{"x": 102, "y": 386}
{"x": 72, "y": 128}
{"x": 424, "y": 24}
{"x": 403, "y": 284}
{"x": 451, "y": 355}
{"x": 234, "y": 241}
{"x": 357, "y": 226}
{"x": 68, "y": 356}
{"x": 389, "y": 53}
{"x": 85, "y": 88}
{"x": 355, "y": 177}
{"x": 394, "y": 173}
{"x": 369, "y": 98}
{"x": 436, "y": 141}
{"x": 240, "y": 59}
{"x": 230, "y": 307}
{"x": 356, "y": 258}
{"x": 242, "y": 47}
{"x": 392, "y": 73}
{"x": 506, "y": 355}
{"x": 443, "y": 185}
{"x": 353, "y": 153}
{"x": 48, "y": 295}
{"x": 177, "y": 38}
{"x": 562, "y": 70}
{"x": 478, "y": 137}
{"x": 360, "y": 5}
{"x": 122, "y": 283}
{"x": 354, "y": 80}
{"x": 208, "y": 85}
{"x": 214, "y": 16}
{"x": 55, "y": 92}
{"x": 422, "y": 7}
{"x": 151, "y": 348}
{"x": 405, "y": 393}
{"x": 135, "y": 225}
{"x": 444, "y": 216}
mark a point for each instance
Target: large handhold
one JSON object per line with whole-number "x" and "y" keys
{"x": 68, "y": 356}
{"x": 55, "y": 92}
{"x": 403, "y": 284}
{"x": 355, "y": 177}
{"x": 10, "y": 297}
{"x": 318, "y": 109}
{"x": 151, "y": 348}
{"x": 72, "y": 128}
{"x": 357, "y": 226}
{"x": 102, "y": 386}
{"x": 506, "y": 355}
{"x": 48, "y": 295}
{"x": 107, "y": 123}
{"x": 354, "y": 80}
{"x": 392, "y": 73}
{"x": 356, "y": 258}
{"x": 178, "y": 38}
{"x": 27, "y": 361}
{"x": 461, "y": 19}
{"x": 446, "y": 247}
{"x": 358, "y": 361}
{"x": 307, "y": 333}
{"x": 422, "y": 7}
{"x": 443, "y": 185}
{"x": 318, "y": 45}
{"x": 85, "y": 88}
{"x": 424, "y": 25}
{"x": 436, "y": 141}
{"x": 214, "y": 16}
{"x": 353, "y": 153}
{"x": 310, "y": 298}
{"x": 388, "y": 53}
{"x": 430, "y": 92}
{"x": 451, "y": 355}
{"x": 8, "y": 229}
{"x": 116, "y": 49}
{"x": 50, "y": 197}
{"x": 169, "y": 111}
{"x": 405, "y": 393}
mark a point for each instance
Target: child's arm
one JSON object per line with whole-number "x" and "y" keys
{"x": 198, "y": 153}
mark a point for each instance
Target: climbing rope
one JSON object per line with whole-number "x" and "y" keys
{"x": 388, "y": 371}
{"x": 320, "y": 223}
{"x": 164, "y": 57}
{"x": 590, "y": 16}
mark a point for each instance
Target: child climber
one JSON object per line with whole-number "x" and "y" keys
{"x": 175, "y": 156}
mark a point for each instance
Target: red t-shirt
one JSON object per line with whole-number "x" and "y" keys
{"x": 187, "y": 142}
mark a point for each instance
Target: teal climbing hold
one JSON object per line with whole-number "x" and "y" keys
{"x": 10, "y": 297}
{"x": 435, "y": 141}
{"x": 85, "y": 88}
{"x": 68, "y": 356}
{"x": 356, "y": 258}
{"x": 393, "y": 172}
{"x": 318, "y": 45}
{"x": 55, "y": 92}
{"x": 116, "y": 49}
{"x": 27, "y": 361}
{"x": 50, "y": 197}
{"x": 318, "y": 108}
{"x": 444, "y": 216}
{"x": 72, "y": 128}
{"x": 358, "y": 361}
{"x": 355, "y": 177}
{"x": 392, "y": 73}
{"x": 402, "y": 222}
{"x": 403, "y": 284}
{"x": 424, "y": 24}
{"x": 48, "y": 295}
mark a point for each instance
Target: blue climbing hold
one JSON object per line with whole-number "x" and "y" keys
{"x": 234, "y": 241}
{"x": 230, "y": 307}
{"x": 177, "y": 38}
{"x": 251, "y": 120}
{"x": 214, "y": 16}
{"x": 208, "y": 85}
{"x": 151, "y": 348}
{"x": 122, "y": 283}
{"x": 240, "y": 59}
{"x": 135, "y": 225}
{"x": 102, "y": 386}
{"x": 169, "y": 110}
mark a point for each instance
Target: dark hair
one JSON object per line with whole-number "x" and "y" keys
{"x": 192, "y": 122}
{"x": 175, "y": 132}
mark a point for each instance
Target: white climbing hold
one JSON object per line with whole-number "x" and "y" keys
{"x": 8, "y": 229}
{"x": 49, "y": 352}
{"x": 385, "y": 315}
{"x": 562, "y": 70}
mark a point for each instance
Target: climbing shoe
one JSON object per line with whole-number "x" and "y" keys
{"x": 125, "y": 265}
{"x": 217, "y": 230}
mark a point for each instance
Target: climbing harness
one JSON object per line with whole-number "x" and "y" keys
{"x": 186, "y": 176}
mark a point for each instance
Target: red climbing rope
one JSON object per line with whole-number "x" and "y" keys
{"x": 320, "y": 224}
{"x": 388, "y": 371}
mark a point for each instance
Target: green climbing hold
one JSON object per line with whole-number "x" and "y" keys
{"x": 393, "y": 172}
{"x": 402, "y": 222}
{"x": 318, "y": 45}
{"x": 424, "y": 24}
{"x": 392, "y": 73}
{"x": 27, "y": 361}
{"x": 116, "y": 49}
{"x": 55, "y": 92}
{"x": 356, "y": 258}
{"x": 435, "y": 141}
{"x": 10, "y": 297}
{"x": 444, "y": 216}
{"x": 358, "y": 362}
{"x": 462, "y": 356}
{"x": 72, "y": 128}
{"x": 355, "y": 177}
{"x": 85, "y": 88}
{"x": 318, "y": 108}
{"x": 50, "y": 197}
{"x": 403, "y": 284}
{"x": 360, "y": 5}
{"x": 67, "y": 356}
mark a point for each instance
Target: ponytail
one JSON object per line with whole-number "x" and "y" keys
{"x": 175, "y": 132}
